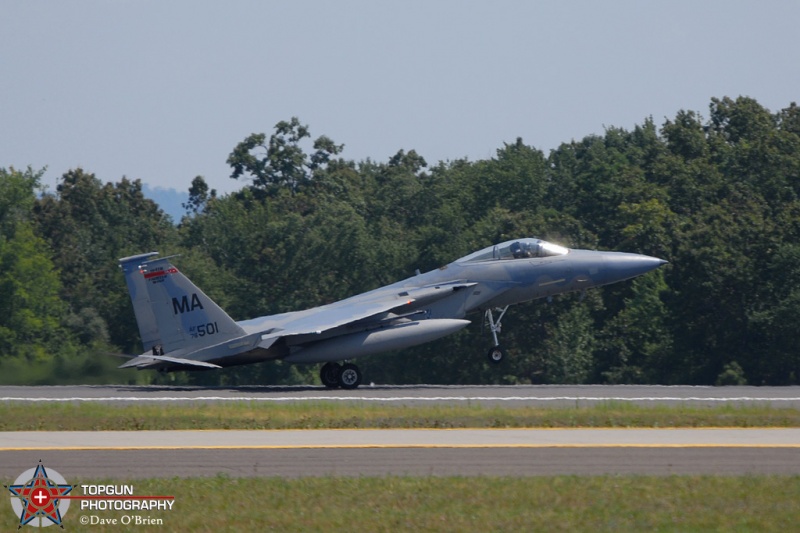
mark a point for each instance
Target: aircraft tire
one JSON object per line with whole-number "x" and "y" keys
{"x": 496, "y": 355}
{"x": 349, "y": 376}
{"x": 329, "y": 374}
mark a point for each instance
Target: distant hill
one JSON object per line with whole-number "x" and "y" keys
{"x": 169, "y": 200}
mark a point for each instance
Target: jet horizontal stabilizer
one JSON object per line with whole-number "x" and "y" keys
{"x": 142, "y": 360}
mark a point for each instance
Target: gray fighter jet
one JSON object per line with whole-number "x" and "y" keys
{"x": 182, "y": 329}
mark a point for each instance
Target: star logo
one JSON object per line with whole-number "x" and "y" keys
{"x": 37, "y": 495}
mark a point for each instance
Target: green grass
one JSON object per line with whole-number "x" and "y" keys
{"x": 322, "y": 414}
{"x": 564, "y": 503}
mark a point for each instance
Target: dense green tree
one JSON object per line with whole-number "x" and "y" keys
{"x": 636, "y": 343}
{"x": 280, "y": 161}
{"x": 774, "y": 321}
{"x": 199, "y": 196}
{"x": 717, "y": 196}
{"x": 706, "y": 195}
{"x": 569, "y": 347}
{"x": 17, "y": 194}
{"x": 37, "y": 342}
{"x": 30, "y": 307}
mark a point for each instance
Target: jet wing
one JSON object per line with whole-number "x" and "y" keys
{"x": 358, "y": 309}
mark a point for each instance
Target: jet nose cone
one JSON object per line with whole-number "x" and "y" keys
{"x": 622, "y": 266}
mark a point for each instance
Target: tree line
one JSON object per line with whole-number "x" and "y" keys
{"x": 716, "y": 196}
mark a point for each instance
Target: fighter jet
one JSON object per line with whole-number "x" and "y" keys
{"x": 183, "y": 329}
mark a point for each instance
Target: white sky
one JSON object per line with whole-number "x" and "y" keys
{"x": 163, "y": 90}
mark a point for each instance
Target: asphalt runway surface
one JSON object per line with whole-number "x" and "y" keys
{"x": 295, "y": 453}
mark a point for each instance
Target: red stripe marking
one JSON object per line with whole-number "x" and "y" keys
{"x": 157, "y": 273}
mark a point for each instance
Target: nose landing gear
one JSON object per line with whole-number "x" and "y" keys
{"x": 496, "y": 353}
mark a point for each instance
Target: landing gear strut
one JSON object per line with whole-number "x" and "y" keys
{"x": 496, "y": 354}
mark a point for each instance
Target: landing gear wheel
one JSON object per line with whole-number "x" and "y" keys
{"x": 329, "y": 374}
{"x": 349, "y": 376}
{"x": 496, "y": 355}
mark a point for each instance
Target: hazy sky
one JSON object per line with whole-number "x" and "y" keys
{"x": 163, "y": 90}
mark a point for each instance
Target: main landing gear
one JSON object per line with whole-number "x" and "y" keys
{"x": 496, "y": 353}
{"x": 346, "y": 376}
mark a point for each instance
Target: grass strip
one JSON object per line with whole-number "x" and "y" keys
{"x": 564, "y": 503}
{"x": 87, "y": 416}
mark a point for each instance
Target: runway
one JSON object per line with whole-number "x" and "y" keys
{"x": 525, "y": 452}
{"x": 295, "y": 453}
{"x": 529, "y": 395}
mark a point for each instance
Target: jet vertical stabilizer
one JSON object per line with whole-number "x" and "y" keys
{"x": 145, "y": 319}
{"x": 187, "y": 319}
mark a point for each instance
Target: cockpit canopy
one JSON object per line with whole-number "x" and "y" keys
{"x": 516, "y": 249}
